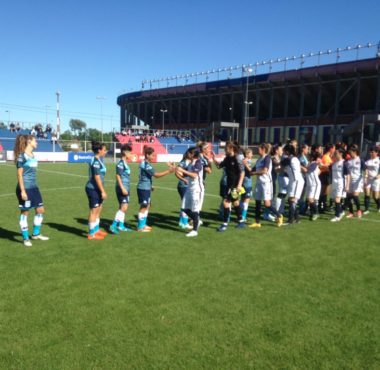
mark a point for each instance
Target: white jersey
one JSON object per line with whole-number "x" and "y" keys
{"x": 264, "y": 162}
{"x": 354, "y": 168}
{"x": 196, "y": 184}
{"x": 293, "y": 169}
{"x": 312, "y": 175}
{"x": 338, "y": 171}
{"x": 372, "y": 166}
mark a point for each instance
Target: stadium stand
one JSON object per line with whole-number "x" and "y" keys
{"x": 8, "y": 138}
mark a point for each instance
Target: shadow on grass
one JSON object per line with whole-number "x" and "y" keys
{"x": 66, "y": 229}
{"x": 162, "y": 221}
{"x": 9, "y": 234}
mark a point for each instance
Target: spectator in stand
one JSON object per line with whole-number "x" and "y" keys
{"x": 12, "y": 127}
{"x": 18, "y": 127}
{"x": 1, "y": 147}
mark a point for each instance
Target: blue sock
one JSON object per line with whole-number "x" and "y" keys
{"x": 114, "y": 223}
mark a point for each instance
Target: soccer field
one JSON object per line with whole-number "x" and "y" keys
{"x": 303, "y": 296}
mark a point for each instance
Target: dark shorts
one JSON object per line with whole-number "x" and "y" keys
{"x": 122, "y": 199}
{"x": 325, "y": 178}
{"x": 34, "y": 199}
{"x": 144, "y": 197}
{"x": 181, "y": 191}
{"x": 229, "y": 196}
{"x": 223, "y": 190}
{"x": 94, "y": 198}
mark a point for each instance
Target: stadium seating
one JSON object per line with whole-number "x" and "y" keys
{"x": 7, "y": 139}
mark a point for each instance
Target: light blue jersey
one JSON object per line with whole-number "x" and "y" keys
{"x": 29, "y": 165}
{"x": 123, "y": 170}
{"x": 146, "y": 173}
{"x": 185, "y": 165}
{"x": 247, "y": 182}
{"x": 96, "y": 167}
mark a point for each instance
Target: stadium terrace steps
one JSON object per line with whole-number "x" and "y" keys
{"x": 7, "y": 140}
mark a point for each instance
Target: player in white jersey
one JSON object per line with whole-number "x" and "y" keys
{"x": 193, "y": 198}
{"x": 264, "y": 189}
{"x": 372, "y": 179}
{"x": 313, "y": 185}
{"x": 292, "y": 167}
{"x": 339, "y": 173}
{"x": 354, "y": 184}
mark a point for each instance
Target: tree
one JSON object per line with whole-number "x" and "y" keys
{"x": 77, "y": 125}
{"x": 67, "y": 135}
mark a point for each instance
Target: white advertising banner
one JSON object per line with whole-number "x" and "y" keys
{"x": 44, "y": 156}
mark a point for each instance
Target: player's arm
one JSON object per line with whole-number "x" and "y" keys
{"x": 20, "y": 179}
{"x": 157, "y": 175}
{"x": 121, "y": 186}
{"x": 100, "y": 186}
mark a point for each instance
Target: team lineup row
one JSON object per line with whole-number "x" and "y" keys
{"x": 304, "y": 179}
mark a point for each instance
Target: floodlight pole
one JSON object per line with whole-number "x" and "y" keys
{"x": 163, "y": 111}
{"x": 58, "y": 116}
{"x": 246, "y": 105}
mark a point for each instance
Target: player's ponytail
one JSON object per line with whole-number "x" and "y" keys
{"x": 20, "y": 145}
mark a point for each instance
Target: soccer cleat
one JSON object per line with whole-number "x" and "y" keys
{"x": 255, "y": 225}
{"x": 192, "y": 234}
{"x": 359, "y": 214}
{"x": 185, "y": 226}
{"x": 280, "y": 220}
{"x": 200, "y": 222}
{"x": 335, "y": 219}
{"x": 366, "y": 212}
{"x": 350, "y": 215}
{"x": 27, "y": 243}
{"x": 123, "y": 228}
{"x": 95, "y": 237}
{"x": 222, "y": 228}
{"x": 341, "y": 215}
{"x": 114, "y": 230}
{"x": 240, "y": 225}
{"x": 102, "y": 233}
{"x": 145, "y": 229}
{"x": 40, "y": 237}
{"x": 313, "y": 218}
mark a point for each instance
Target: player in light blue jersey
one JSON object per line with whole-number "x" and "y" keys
{"x": 145, "y": 187}
{"x": 183, "y": 184}
{"x": 27, "y": 191}
{"x": 95, "y": 191}
{"x": 247, "y": 183}
{"x": 123, "y": 173}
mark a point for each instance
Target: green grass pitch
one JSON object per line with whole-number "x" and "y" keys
{"x": 299, "y": 297}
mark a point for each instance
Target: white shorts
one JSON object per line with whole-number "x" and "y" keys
{"x": 193, "y": 200}
{"x": 263, "y": 190}
{"x": 356, "y": 186}
{"x": 283, "y": 183}
{"x": 373, "y": 184}
{"x": 295, "y": 188}
{"x": 313, "y": 191}
{"x": 337, "y": 190}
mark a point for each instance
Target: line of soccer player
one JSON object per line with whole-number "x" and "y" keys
{"x": 305, "y": 177}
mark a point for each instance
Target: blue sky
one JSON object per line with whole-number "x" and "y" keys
{"x": 87, "y": 49}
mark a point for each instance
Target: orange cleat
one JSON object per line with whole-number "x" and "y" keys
{"x": 95, "y": 237}
{"x": 101, "y": 233}
{"x": 145, "y": 229}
